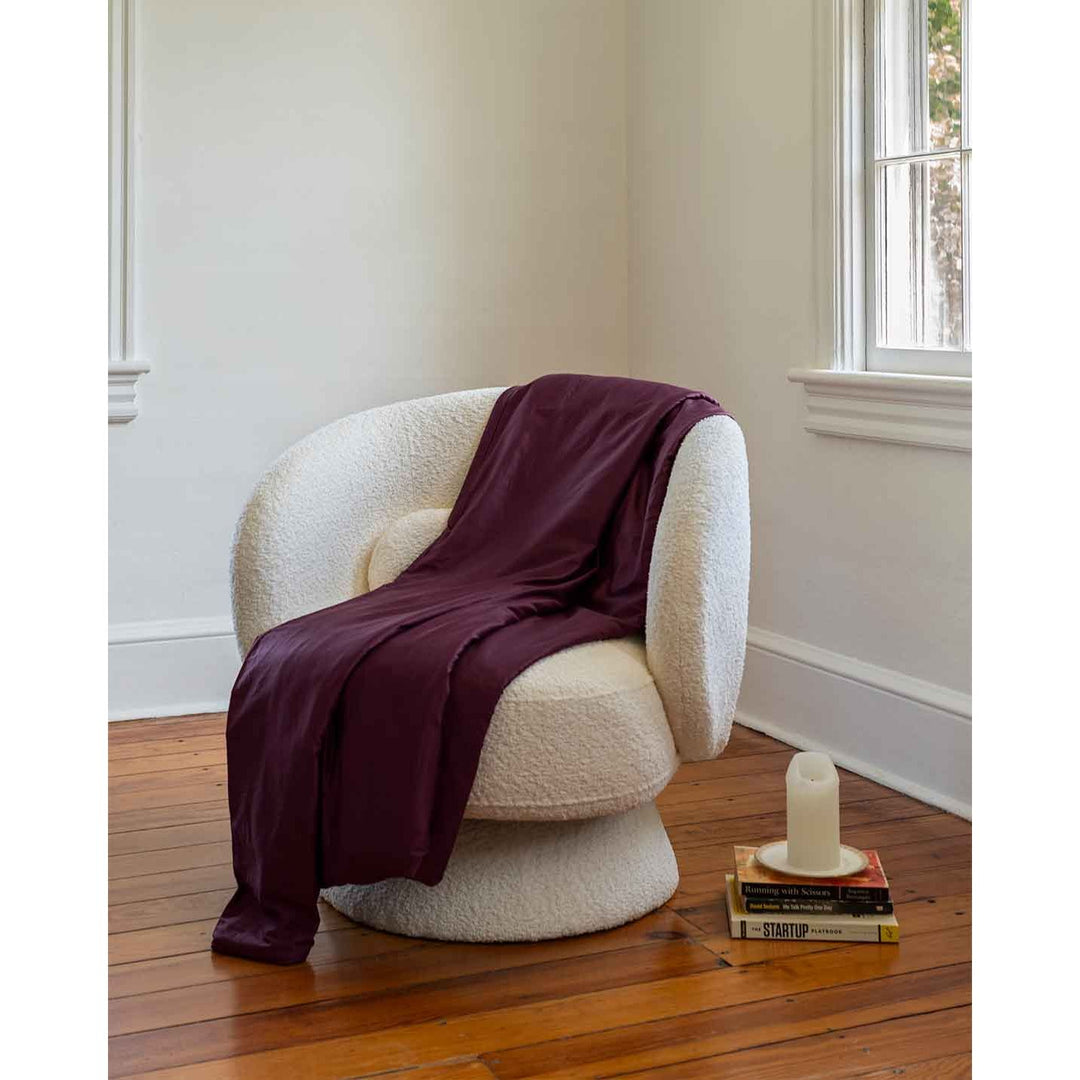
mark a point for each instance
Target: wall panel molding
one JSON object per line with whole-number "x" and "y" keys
{"x": 124, "y": 369}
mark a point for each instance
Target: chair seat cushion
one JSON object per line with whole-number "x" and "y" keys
{"x": 579, "y": 734}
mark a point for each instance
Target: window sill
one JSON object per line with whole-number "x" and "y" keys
{"x": 123, "y": 407}
{"x": 922, "y": 410}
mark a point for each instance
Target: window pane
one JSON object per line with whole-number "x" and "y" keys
{"x": 920, "y": 257}
{"x": 919, "y": 76}
{"x": 943, "y": 71}
{"x": 901, "y": 79}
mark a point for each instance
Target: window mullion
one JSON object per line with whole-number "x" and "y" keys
{"x": 922, "y": 155}
{"x": 920, "y": 188}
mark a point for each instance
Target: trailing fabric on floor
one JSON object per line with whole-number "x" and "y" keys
{"x": 354, "y": 733}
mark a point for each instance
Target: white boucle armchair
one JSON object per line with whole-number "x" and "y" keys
{"x": 562, "y": 834}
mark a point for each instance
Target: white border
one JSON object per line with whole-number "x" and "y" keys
{"x": 55, "y": 198}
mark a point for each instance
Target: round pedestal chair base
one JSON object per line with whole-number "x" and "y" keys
{"x": 528, "y": 880}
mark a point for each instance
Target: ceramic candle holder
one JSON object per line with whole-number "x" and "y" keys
{"x": 813, "y": 847}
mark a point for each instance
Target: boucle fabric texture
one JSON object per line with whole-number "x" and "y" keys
{"x": 403, "y": 542}
{"x": 699, "y": 580}
{"x": 355, "y": 732}
{"x": 307, "y": 535}
{"x": 578, "y": 734}
{"x": 528, "y": 881}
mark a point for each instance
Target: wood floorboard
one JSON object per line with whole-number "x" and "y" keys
{"x": 163, "y": 861}
{"x": 837, "y": 1054}
{"x": 190, "y": 907}
{"x": 166, "y": 816}
{"x": 275, "y": 1011}
{"x": 168, "y": 797}
{"x": 169, "y": 837}
{"x": 461, "y": 1070}
{"x": 745, "y": 741}
{"x": 167, "y": 763}
{"x": 954, "y": 1067}
{"x": 147, "y": 750}
{"x": 426, "y": 964}
{"x": 332, "y": 1046}
{"x": 734, "y": 1027}
{"x": 669, "y": 995}
{"x": 127, "y": 732}
{"x": 774, "y": 761}
{"x": 348, "y": 943}
{"x": 171, "y": 778}
{"x": 176, "y": 939}
{"x": 723, "y": 806}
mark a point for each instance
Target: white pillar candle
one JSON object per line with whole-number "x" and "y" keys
{"x": 813, "y": 813}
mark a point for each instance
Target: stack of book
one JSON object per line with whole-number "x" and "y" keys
{"x": 781, "y": 907}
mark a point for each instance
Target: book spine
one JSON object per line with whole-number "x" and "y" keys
{"x": 817, "y": 907}
{"x": 863, "y": 894}
{"x": 793, "y": 930}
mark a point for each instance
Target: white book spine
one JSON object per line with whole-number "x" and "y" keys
{"x": 751, "y": 926}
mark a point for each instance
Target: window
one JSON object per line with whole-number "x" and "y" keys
{"x": 917, "y": 176}
{"x": 892, "y": 275}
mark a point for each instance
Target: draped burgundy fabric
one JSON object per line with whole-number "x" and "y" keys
{"x": 354, "y": 733}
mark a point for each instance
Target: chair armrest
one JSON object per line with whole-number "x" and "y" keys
{"x": 699, "y": 578}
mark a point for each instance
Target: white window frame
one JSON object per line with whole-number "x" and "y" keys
{"x": 842, "y": 396}
{"x": 920, "y": 361}
{"x": 124, "y": 368}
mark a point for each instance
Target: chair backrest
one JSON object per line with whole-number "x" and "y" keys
{"x": 305, "y": 537}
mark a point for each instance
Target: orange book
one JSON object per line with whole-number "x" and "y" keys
{"x": 759, "y": 882}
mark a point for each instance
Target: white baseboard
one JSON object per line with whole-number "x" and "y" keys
{"x": 903, "y": 732}
{"x": 171, "y": 668}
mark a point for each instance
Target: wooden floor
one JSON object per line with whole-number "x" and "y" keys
{"x": 668, "y": 996}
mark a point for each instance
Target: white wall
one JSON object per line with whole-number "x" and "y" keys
{"x": 860, "y": 595}
{"x": 340, "y": 204}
